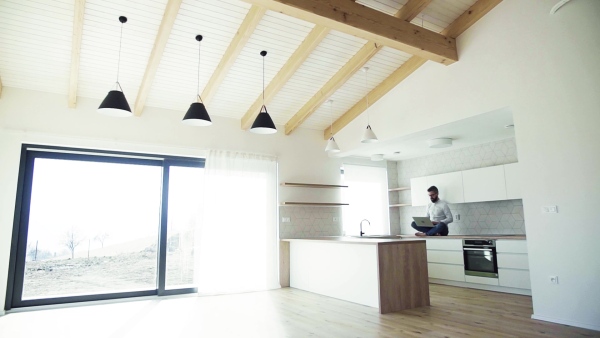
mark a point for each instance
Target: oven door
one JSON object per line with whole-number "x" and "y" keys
{"x": 481, "y": 262}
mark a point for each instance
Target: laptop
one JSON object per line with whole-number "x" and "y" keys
{"x": 423, "y": 221}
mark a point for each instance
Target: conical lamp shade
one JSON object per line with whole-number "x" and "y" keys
{"x": 332, "y": 146}
{"x": 115, "y": 104}
{"x": 263, "y": 123}
{"x": 369, "y": 136}
{"x": 197, "y": 116}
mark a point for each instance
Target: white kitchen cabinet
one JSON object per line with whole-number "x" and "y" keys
{"x": 512, "y": 175}
{"x": 446, "y": 271}
{"x": 513, "y": 278}
{"x": 513, "y": 264}
{"x": 484, "y": 184}
{"x": 481, "y": 280}
{"x": 418, "y": 191}
{"x": 450, "y": 186}
{"x": 445, "y": 259}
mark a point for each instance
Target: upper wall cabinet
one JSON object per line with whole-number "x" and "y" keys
{"x": 477, "y": 185}
{"x": 418, "y": 191}
{"x": 512, "y": 175}
{"x": 484, "y": 184}
{"x": 450, "y": 186}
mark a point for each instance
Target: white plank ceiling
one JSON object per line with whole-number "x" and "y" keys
{"x": 35, "y": 53}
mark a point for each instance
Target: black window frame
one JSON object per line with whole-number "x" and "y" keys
{"x": 29, "y": 152}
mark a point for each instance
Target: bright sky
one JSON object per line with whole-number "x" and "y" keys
{"x": 122, "y": 200}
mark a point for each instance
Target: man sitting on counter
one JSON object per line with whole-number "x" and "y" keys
{"x": 439, "y": 213}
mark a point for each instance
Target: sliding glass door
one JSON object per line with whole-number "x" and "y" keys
{"x": 100, "y": 226}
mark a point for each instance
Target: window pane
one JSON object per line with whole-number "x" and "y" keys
{"x": 93, "y": 228}
{"x": 185, "y": 201}
{"x": 367, "y": 194}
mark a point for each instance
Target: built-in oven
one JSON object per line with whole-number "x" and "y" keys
{"x": 480, "y": 257}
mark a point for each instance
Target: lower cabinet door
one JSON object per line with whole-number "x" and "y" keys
{"x": 514, "y": 278}
{"x": 481, "y": 280}
{"x": 446, "y": 271}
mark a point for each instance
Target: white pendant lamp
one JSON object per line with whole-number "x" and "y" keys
{"x": 332, "y": 146}
{"x": 263, "y": 123}
{"x": 115, "y": 103}
{"x": 197, "y": 114}
{"x": 368, "y": 136}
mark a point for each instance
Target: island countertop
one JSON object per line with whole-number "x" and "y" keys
{"x": 356, "y": 240}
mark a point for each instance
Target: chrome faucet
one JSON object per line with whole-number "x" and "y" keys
{"x": 361, "y": 222}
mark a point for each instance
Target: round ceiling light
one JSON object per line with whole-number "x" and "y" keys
{"x": 377, "y": 157}
{"x": 440, "y": 143}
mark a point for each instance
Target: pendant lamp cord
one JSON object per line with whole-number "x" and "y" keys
{"x": 198, "y": 86}
{"x": 119, "y": 60}
{"x": 331, "y": 117}
{"x": 263, "y": 93}
{"x": 367, "y": 88}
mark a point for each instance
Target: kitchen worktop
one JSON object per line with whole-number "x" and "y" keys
{"x": 355, "y": 240}
{"x": 515, "y": 237}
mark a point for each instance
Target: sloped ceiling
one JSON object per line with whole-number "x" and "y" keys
{"x": 72, "y": 46}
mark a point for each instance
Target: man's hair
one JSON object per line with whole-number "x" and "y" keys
{"x": 433, "y": 188}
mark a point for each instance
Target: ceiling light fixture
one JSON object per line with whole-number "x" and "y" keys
{"x": 332, "y": 146}
{"x": 197, "y": 114}
{"x": 369, "y": 135}
{"x": 377, "y": 157}
{"x": 263, "y": 123}
{"x": 440, "y": 143}
{"x": 115, "y": 103}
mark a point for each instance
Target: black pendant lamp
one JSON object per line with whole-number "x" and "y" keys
{"x": 263, "y": 123}
{"x": 197, "y": 114}
{"x": 115, "y": 103}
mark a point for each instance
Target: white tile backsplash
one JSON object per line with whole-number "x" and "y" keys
{"x": 308, "y": 221}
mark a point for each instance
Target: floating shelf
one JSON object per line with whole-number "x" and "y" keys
{"x": 399, "y": 189}
{"x": 316, "y": 204}
{"x": 311, "y": 185}
{"x": 400, "y": 205}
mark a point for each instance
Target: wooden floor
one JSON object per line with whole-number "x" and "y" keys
{"x": 454, "y": 312}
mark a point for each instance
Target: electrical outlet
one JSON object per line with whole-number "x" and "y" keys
{"x": 458, "y": 217}
{"x": 550, "y": 209}
{"x": 553, "y": 279}
{"x": 336, "y": 219}
{"x": 285, "y": 219}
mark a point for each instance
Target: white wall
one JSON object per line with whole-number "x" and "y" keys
{"x": 42, "y": 118}
{"x": 546, "y": 69}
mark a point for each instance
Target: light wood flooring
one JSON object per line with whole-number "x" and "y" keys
{"x": 288, "y": 312}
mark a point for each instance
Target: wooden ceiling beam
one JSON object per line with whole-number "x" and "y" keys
{"x": 242, "y": 36}
{"x": 76, "y": 52}
{"x": 457, "y": 27}
{"x": 355, "y": 19}
{"x": 160, "y": 43}
{"x": 312, "y": 40}
{"x": 378, "y": 92}
{"x": 469, "y": 17}
{"x": 411, "y": 9}
{"x": 338, "y": 80}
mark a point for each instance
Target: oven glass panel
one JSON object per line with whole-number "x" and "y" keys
{"x": 479, "y": 261}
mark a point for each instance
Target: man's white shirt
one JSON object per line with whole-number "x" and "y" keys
{"x": 439, "y": 212}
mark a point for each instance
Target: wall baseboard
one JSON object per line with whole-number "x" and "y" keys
{"x": 569, "y": 322}
{"x": 2, "y": 313}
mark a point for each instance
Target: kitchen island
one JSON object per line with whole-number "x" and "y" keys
{"x": 388, "y": 274}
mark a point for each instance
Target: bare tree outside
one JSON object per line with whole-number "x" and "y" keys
{"x": 101, "y": 237}
{"x": 72, "y": 240}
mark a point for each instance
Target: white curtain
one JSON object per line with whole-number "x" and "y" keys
{"x": 237, "y": 244}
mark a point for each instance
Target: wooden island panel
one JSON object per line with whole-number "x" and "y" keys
{"x": 403, "y": 277}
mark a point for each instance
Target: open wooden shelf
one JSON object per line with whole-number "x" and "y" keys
{"x": 400, "y": 205}
{"x": 315, "y": 204}
{"x": 311, "y": 185}
{"x": 399, "y": 189}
